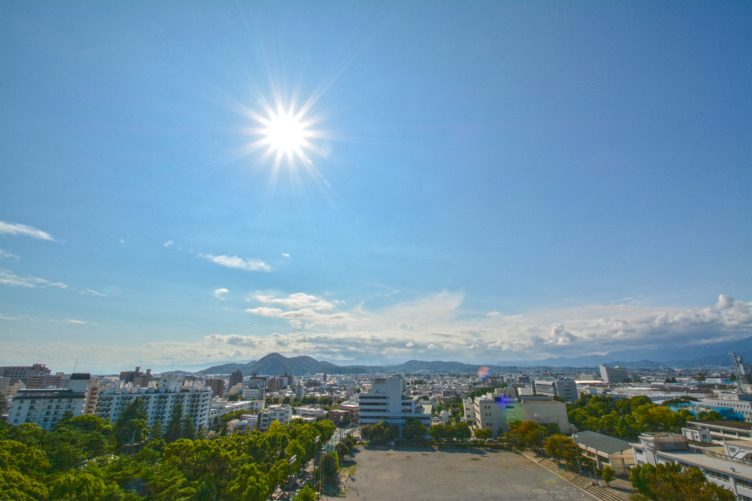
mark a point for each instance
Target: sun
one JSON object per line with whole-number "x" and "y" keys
{"x": 285, "y": 133}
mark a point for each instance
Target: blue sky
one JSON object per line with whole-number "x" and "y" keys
{"x": 481, "y": 181}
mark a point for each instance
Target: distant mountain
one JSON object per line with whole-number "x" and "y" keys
{"x": 224, "y": 368}
{"x": 710, "y": 354}
{"x": 436, "y": 366}
{"x": 275, "y": 364}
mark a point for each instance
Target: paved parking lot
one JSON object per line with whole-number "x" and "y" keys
{"x": 426, "y": 474}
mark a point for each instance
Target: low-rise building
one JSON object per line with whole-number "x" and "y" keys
{"x": 731, "y": 473}
{"x": 280, "y": 412}
{"x": 495, "y": 411}
{"x": 604, "y": 450}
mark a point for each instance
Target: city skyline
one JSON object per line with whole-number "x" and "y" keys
{"x": 371, "y": 183}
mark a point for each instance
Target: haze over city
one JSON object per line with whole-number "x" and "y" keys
{"x": 185, "y": 184}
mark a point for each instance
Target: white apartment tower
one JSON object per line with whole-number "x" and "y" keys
{"x": 388, "y": 402}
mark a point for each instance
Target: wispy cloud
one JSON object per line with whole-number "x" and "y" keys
{"x": 168, "y": 243}
{"x": 77, "y": 322}
{"x": 6, "y": 317}
{"x": 237, "y": 262}
{"x": 9, "y": 278}
{"x": 8, "y": 255}
{"x": 285, "y": 254}
{"x": 220, "y": 293}
{"x": 7, "y": 228}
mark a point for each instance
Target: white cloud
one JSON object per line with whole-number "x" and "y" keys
{"x": 285, "y": 254}
{"x": 8, "y": 255}
{"x": 237, "y": 262}
{"x": 220, "y": 293}
{"x": 440, "y": 329}
{"x": 77, "y": 322}
{"x": 297, "y": 300}
{"x": 6, "y": 317}
{"x": 724, "y": 302}
{"x": 7, "y": 228}
{"x": 168, "y": 243}
{"x": 9, "y": 278}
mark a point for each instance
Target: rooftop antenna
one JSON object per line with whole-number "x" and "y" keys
{"x": 74, "y": 366}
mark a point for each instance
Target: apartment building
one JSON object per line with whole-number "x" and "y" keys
{"x": 281, "y": 413}
{"x": 159, "y": 403}
{"x": 21, "y": 373}
{"x": 46, "y": 407}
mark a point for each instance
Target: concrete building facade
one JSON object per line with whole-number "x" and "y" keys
{"x": 614, "y": 374}
{"x": 388, "y": 401}
{"x": 495, "y": 411}
{"x": 159, "y": 403}
{"x": 557, "y": 387}
{"x": 46, "y": 407}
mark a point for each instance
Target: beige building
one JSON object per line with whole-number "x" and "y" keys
{"x": 495, "y": 411}
{"x": 605, "y": 450}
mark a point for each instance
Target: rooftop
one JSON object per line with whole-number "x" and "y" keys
{"x": 602, "y": 443}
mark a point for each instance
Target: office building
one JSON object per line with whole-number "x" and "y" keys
{"x": 562, "y": 387}
{"x": 495, "y": 411}
{"x": 614, "y": 374}
{"x": 388, "y": 401}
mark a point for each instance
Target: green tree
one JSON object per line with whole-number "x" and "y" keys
{"x": 438, "y": 432}
{"x": 174, "y": 429}
{"x": 330, "y": 465}
{"x": 130, "y": 426}
{"x": 187, "y": 428}
{"x": 23, "y": 469}
{"x": 305, "y": 494}
{"x": 251, "y": 484}
{"x": 562, "y": 447}
{"x": 78, "y": 486}
{"x": 483, "y": 434}
{"x": 19, "y": 487}
{"x": 157, "y": 430}
{"x": 671, "y": 482}
{"x": 413, "y": 430}
{"x": 607, "y": 474}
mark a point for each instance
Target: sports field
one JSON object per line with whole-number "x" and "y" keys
{"x": 425, "y": 474}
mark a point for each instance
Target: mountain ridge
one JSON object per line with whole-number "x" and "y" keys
{"x": 275, "y": 364}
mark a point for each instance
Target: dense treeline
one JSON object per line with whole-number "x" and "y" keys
{"x": 625, "y": 418}
{"x": 671, "y": 482}
{"x": 85, "y": 459}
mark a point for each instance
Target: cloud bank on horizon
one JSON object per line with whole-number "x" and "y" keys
{"x": 432, "y": 328}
